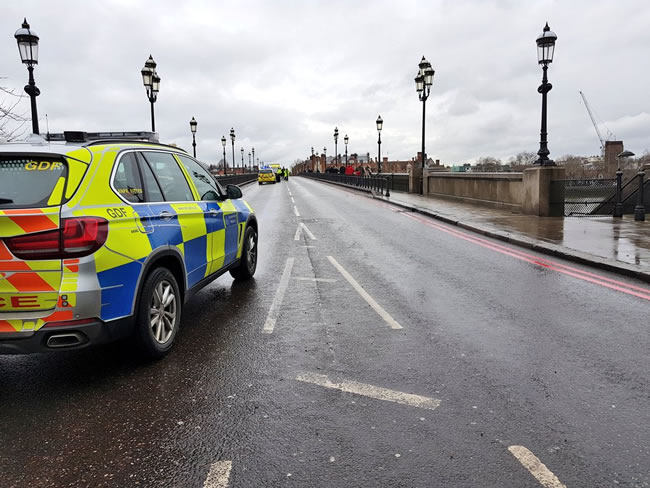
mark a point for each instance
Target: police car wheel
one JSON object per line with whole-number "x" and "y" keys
{"x": 159, "y": 313}
{"x": 248, "y": 262}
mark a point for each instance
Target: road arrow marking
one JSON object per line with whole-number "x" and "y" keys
{"x": 302, "y": 227}
{"x": 537, "y": 468}
{"x": 219, "y": 475}
{"x": 364, "y": 294}
{"x": 371, "y": 391}
{"x": 269, "y": 325}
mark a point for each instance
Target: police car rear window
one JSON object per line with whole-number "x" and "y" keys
{"x": 27, "y": 182}
{"x": 265, "y": 171}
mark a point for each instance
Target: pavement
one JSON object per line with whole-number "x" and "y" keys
{"x": 617, "y": 245}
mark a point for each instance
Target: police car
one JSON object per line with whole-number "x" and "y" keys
{"x": 265, "y": 175}
{"x": 107, "y": 235}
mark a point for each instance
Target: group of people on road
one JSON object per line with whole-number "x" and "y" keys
{"x": 282, "y": 173}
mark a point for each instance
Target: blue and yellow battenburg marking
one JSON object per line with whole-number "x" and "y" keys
{"x": 209, "y": 236}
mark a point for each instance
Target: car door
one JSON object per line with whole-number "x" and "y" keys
{"x": 210, "y": 197}
{"x": 178, "y": 221}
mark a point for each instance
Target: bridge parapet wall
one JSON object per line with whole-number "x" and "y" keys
{"x": 497, "y": 190}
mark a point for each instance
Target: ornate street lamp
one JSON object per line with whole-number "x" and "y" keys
{"x": 27, "y": 41}
{"x": 380, "y": 125}
{"x": 336, "y": 150}
{"x": 325, "y": 163}
{"x": 242, "y": 160}
{"x": 258, "y": 166}
{"x": 232, "y": 139}
{"x": 250, "y": 165}
{"x": 423, "y": 82}
{"x": 193, "y": 124}
{"x": 346, "y": 140}
{"x": 225, "y": 163}
{"x": 545, "y": 50}
{"x": 151, "y": 82}
{"x": 313, "y": 160}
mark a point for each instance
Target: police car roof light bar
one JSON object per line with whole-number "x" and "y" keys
{"x": 80, "y": 136}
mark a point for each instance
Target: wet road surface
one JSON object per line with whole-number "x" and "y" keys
{"x": 374, "y": 347}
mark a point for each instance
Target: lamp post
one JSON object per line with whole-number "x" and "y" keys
{"x": 27, "y": 41}
{"x": 313, "y": 160}
{"x": 618, "y": 206}
{"x": 225, "y": 163}
{"x": 193, "y": 124}
{"x": 258, "y": 166}
{"x": 639, "y": 209}
{"x": 423, "y": 82}
{"x": 325, "y": 158}
{"x": 545, "y": 50}
{"x": 336, "y": 149}
{"x": 151, "y": 82}
{"x": 380, "y": 125}
{"x": 346, "y": 139}
{"x": 250, "y": 165}
{"x": 242, "y": 160}
{"x": 232, "y": 139}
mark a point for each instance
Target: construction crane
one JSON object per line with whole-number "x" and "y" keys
{"x": 593, "y": 121}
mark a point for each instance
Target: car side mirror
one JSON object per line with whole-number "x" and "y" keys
{"x": 233, "y": 192}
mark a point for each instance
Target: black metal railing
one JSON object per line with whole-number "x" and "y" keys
{"x": 370, "y": 183}
{"x": 629, "y": 193}
{"x": 397, "y": 181}
{"x": 580, "y": 198}
{"x": 236, "y": 179}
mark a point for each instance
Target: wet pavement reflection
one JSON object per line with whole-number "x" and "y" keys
{"x": 604, "y": 237}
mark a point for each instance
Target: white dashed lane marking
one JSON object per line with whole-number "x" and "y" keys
{"x": 219, "y": 475}
{"x": 295, "y": 211}
{"x": 323, "y": 280}
{"x": 364, "y": 294}
{"x": 537, "y": 468}
{"x": 269, "y": 325}
{"x": 371, "y": 391}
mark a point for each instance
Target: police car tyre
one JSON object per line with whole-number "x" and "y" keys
{"x": 248, "y": 263}
{"x": 159, "y": 313}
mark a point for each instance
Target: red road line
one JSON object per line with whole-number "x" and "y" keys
{"x": 545, "y": 263}
{"x": 542, "y": 261}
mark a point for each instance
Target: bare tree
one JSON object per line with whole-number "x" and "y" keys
{"x": 522, "y": 160}
{"x": 12, "y": 122}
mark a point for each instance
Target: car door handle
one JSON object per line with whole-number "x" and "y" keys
{"x": 165, "y": 215}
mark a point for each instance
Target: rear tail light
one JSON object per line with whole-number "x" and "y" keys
{"x": 75, "y": 238}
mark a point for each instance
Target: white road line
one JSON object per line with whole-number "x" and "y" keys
{"x": 536, "y": 467}
{"x": 299, "y": 230}
{"x": 308, "y": 232}
{"x": 306, "y": 278}
{"x": 219, "y": 475}
{"x": 295, "y": 211}
{"x": 376, "y": 307}
{"x": 269, "y": 325}
{"x": 371, "y": 391}
{"x": 292, "y": 200}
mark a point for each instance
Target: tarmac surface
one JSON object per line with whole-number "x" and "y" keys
{"x": 375, "y": 346}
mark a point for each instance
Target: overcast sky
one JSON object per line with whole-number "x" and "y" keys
{"x": 285, "y": 73}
